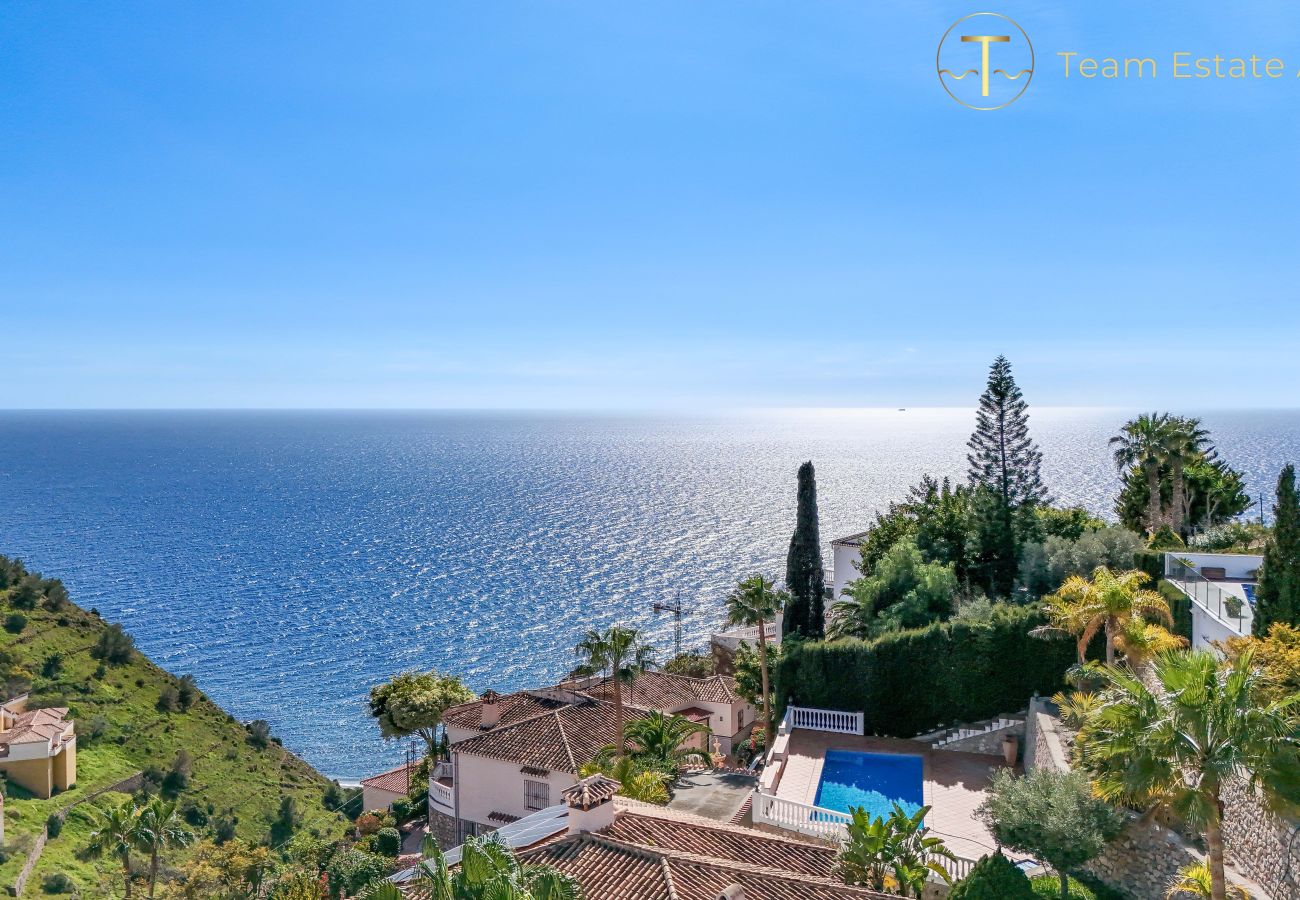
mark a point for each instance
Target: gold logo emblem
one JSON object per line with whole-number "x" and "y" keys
{"x": 975, "y": 74}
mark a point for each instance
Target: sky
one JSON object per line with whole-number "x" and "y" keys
{"x": 614, "y": 204}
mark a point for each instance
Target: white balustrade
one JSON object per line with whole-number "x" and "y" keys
{"x": 834, "y": 720}
{"x": 827, "y": 824}
{"x": 441, "y": 795}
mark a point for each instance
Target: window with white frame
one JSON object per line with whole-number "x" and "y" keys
{"x": 537, "y": 794}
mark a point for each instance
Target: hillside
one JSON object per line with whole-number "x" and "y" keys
{"x": 122, "y": 730}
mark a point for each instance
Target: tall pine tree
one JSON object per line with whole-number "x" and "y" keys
{"x": 1277, "y": 598}
{"x": 805, "y": 578}
{"x": 1005, "y": 468}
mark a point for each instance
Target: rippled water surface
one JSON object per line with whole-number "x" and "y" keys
{"x": 291, "y": 560}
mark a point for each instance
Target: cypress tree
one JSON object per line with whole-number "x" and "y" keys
{"x": 1004, "y": 469}
{"x": 805, "y": 578}
{"x": 1277, "y": 598}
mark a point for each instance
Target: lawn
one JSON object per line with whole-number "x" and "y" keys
{"x": 120, "y": 732}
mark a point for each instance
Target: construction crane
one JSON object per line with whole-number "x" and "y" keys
{"x": 675, "y": 608}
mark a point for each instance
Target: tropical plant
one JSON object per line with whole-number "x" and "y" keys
{"x": 620, "y": 653}
{"x": 1141, "y": 445}
{"x": 159, "y": 828}
{"x": 899, "y": 847}
{"x": 1106, "y": 603}
{"x": 1185, "y": 443}
{"x": 1194, "y": 881}
{"x": 488, "y": 869}
{"x": 692, "y": 665}
{"x": 658, "y": 740}
{"x": 1277, "y": 597}
{"x": 1278, "y": 656}
{"x": 805, "y": 578}
{"x": 994, "y": 877}
{"x": 114, "y": 835}
{"x": 903, "y": 592}
{"x": 753, "y": 603}
{"x": 1052, "y": 816}
{"x": 1178, "y": 744}
{"x": 413, "y": 703}
{"x": 636, "y": 782}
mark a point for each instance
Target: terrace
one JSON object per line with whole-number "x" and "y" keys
{"x": 952, "y": 782}
{"x": 1221, "y": 587}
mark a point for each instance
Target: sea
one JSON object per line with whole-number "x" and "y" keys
{"x": 291, "y": 560}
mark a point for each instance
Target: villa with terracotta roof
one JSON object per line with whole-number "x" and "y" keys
{"x": 38, "y": 748}
{"x": 618, "y": 849}
{"x": 379, "y": 791}
{"x": 512, "y": 755}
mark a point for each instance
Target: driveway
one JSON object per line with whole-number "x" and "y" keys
{"x": 712, "y": 795}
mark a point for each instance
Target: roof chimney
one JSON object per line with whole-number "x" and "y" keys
{"x": 732, "y": 892}
{"x": 591, "y": 803}
{"x": 491, "y": 708}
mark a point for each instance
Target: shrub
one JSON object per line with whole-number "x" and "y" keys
{"x": 169, "y": 700}
{"x": 351, "y": 870}
{"x": 259, "y": 733}
{"x": 368, "y": 824}
{"x": 388, "y": 841}
{"x": 15, "y": 623}
{"x": 909, "y": 682}
{"x": 114, "y": 646}
{"x": 56, "y": 595}
{"x": 26, "y": 593}
{"x": 91, "y": 731}
{"x": 57, "y": 883}
{"x": 1049, "y": 886}
{"x": 187, "y": 691}
{"x": 223, "y": 829}
{"x": 100, "y": 672}
{"x": 994, "y": 878}
{"x": 693, "y": 665}
{"x": 178, "y": 776}
{"x": 194, "y": 814}
{"x": 403, "y": 809}
{"x": 1045, "y": 565}
{"x": 54, "y": 825}
{"x": 52, "y": 665}
{"x": 1165, "y": 538}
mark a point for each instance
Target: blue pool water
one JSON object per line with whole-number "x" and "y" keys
{"x": 1250, "y": 592}
{"x": 874, "y": 781}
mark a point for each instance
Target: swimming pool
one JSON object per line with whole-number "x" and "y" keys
{"x": 874, "y": 781}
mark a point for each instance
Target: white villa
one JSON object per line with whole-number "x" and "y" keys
{"x": 513, "y": 755}
{"x": 1221, "y": 587}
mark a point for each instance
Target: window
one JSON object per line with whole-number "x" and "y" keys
{"x": 537, "y": 794}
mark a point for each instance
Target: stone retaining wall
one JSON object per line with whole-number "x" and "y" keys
{"x": 1259, "y": 842}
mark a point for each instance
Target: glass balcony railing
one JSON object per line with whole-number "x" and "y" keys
{"x": 1225, "y": 606}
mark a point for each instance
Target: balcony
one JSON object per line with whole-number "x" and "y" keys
{"x": 442, "y": 796}
{"x": 1221, "y": 587}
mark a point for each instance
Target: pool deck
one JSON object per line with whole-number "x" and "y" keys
{"x": 954, "y": 782}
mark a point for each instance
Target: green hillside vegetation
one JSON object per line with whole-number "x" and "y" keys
{"x": 132, "y": 716}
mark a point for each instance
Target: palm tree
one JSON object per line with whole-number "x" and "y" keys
{"x": 1185, "y": 442}
{"x": 1142, "y": 442}
{"x": 878, "y": 849}
{"x": 1194, "y": 881}
{"x": 659, "y": 741}
{"x": 487, "y": 869}
{"x": 752, "y": 604}
{"x": 158, "y": 829}
{"x": 1108, "y": 602}
{"x": 1178, "y": 743}
{"x": 115, "y": 835}
{"x": 620, "y": 652}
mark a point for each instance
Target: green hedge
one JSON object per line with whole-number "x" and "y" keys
{"x": 910, "y": 682}
{"x": 1180, "y": 606}
{"x": 1152, "y": 562}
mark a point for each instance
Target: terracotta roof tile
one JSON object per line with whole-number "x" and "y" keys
{"x": 37, "y": 726}
{"x": 558, "y": 740}
{"x": 514, "y": 708}
{"x": 659, "y": 690}
{"x": 591, "y": 791}
{"x": 398, "y": 780}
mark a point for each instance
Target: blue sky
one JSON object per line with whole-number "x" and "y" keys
{"x": 618, "y": 204}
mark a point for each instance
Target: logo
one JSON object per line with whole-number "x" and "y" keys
{"x": 985, "y": 61}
